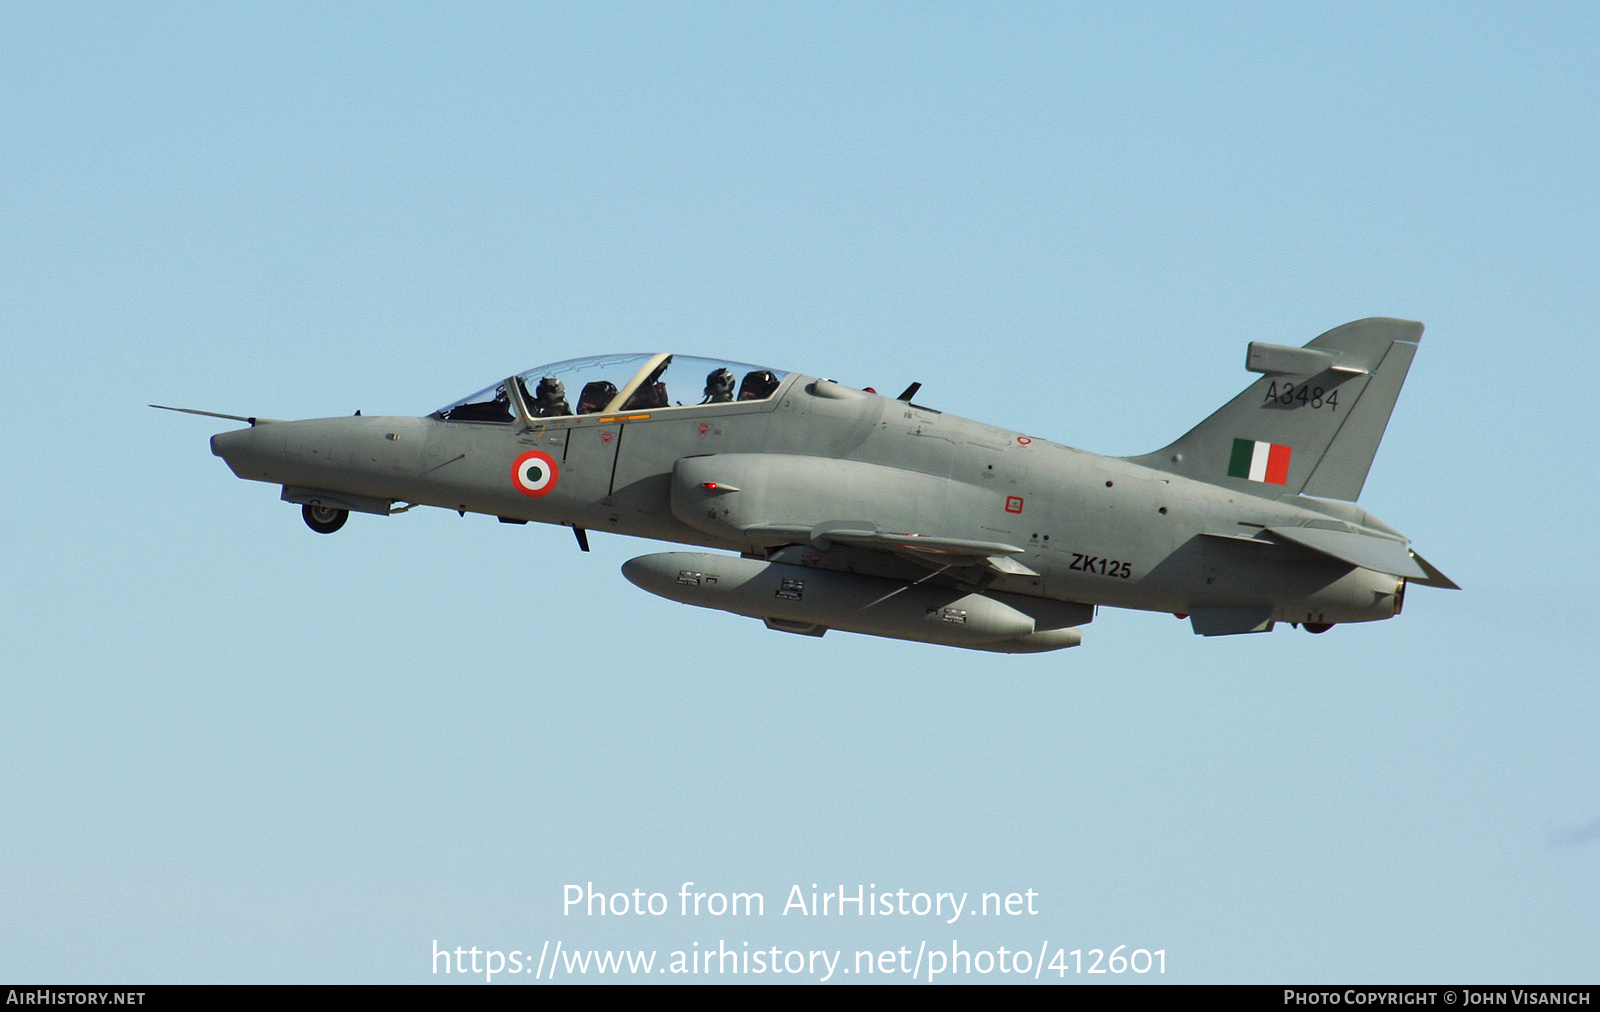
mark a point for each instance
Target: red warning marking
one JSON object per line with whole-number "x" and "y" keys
{"x": 605, "y": 437}
{"x": 534, "y": 473}
{"x": 1013, "y": 504}
{"x": 1023, "y": 440}
{"x": 704, "y": 428}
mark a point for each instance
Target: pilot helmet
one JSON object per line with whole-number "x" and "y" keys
{"x": 551, "y": 389}
{"x": 719, "y": 385}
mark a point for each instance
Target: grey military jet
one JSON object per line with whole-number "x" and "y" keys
{"x": 838, "y": 508}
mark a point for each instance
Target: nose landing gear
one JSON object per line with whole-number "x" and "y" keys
{"x": 324, "y": 519}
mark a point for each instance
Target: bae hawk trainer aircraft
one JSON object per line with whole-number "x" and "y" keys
{"x": 842, "y": 509}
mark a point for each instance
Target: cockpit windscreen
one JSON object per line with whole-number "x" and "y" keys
{"x": 611, "y": 383}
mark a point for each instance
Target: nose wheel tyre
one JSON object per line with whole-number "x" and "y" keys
{"x": 324, "y": 519}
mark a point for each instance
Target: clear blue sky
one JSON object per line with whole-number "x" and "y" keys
{"x": 233, "y": 750}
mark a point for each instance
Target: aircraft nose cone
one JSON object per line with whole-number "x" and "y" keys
{"x": 229, "y": 444}
{"x": 250, "y": 453}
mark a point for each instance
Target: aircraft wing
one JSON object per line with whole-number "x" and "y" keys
{"x": 929, "y": 550}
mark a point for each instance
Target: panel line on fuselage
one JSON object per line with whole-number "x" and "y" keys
{"x": 616, "y": 455}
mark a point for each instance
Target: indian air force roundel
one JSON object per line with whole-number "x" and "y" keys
{"x": 534, "y": 473}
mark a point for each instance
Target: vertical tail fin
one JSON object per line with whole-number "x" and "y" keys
{"x": 1311, "y": 425}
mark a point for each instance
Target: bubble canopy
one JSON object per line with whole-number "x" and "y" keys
{"x": 611, "y": 383}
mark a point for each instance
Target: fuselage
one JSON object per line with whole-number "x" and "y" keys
{"x": 736, "y": 476}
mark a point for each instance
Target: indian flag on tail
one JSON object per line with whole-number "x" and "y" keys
{"x": 1258, "y": 461}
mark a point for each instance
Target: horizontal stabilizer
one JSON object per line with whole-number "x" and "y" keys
{"x": 1435, "y": 578}
{"x": 1381, "y": 555}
